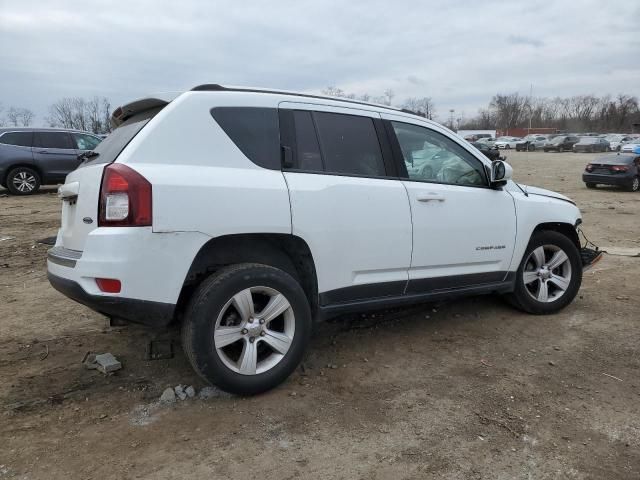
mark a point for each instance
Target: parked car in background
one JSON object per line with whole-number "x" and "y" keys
{"x": 492, "y": 153}
{"x": 621, "y": 169}
{"x": 531, "y": 143}
{"x": 31, "y": 157}
{"x": 630, "y": 146}
{"x": 507, "y": 142}
{"x": 300, "y": 184}
{"x": 487, "y": 141}
{"x": 591, "y": 145}
{"x": 560, "y": 143}
{"x": 616, "y": 141}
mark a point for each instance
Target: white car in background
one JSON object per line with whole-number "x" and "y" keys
{"x": 630, "y": 146}
{"x": 507, "y": 142}
{"x": 616, "y": 141}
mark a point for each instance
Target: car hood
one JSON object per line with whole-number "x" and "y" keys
{"x": 545, "y": 193}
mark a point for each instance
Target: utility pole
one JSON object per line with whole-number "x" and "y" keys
{"x": 451, "y": 112}
{"x": 530, "y": 108}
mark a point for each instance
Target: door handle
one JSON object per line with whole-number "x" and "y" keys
{"x": 43, "y": 151}
{"x": 430, "y": 197}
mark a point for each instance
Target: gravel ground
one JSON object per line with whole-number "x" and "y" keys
{"x": 466, "y": 389}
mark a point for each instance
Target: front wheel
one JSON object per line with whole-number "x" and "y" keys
{"x": 532, "y": 148}
{"x": 549, "y": 275}
{"x": 590, "y": 185}
{"x": 507, "y": 146}
{"x": 246, "y": 328}
{"x": 635, "y": 184}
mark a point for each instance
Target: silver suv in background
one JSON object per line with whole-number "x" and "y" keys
{"x": 30, "y": 157}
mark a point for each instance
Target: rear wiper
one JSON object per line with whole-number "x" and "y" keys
{"x": 87, "y": 155}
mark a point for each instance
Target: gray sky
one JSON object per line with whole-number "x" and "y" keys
{"x": 459, "y": 53}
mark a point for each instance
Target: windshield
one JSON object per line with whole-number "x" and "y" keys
{"x": 557, "y": 140}
{"x": 109, "y": 149}
{"x": 588, "y": 140}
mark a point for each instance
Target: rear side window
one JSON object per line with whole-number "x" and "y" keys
{"x": 349, "y": 144}
{"x": 255, "y": 132}
{"x": 85, "y": 142}
{"x": 19, "y": 139}
{"x": 54, "y": 140}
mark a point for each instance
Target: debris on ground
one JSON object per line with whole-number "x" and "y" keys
{"x": 168, "y": 396}
{"x": 190, "y": 391}
{"x": 180, "y": 392}
{"x": 103, "y": 362}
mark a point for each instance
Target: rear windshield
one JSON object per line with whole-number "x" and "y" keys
{"x": 110, "y": 147}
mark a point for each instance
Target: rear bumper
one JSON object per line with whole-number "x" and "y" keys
{"x": 154, "y": 314}
{"x": 618, "y": 180}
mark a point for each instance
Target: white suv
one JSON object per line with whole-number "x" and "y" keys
{"x": 245, "y": 214}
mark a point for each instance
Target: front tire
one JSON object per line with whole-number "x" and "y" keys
{"x": 23, "y": 181}
{"x": 246, "y": 328}
{"x": 549, "y": 275}
{"x": 635, "y": 184}
{"x": 532, "y": 148}
{"x": 590, "y": 185}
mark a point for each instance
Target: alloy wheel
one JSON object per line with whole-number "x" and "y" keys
{"x": 24, "y": 182}
{"x": 547, "y": 273}
{"x": 254, "y": 330}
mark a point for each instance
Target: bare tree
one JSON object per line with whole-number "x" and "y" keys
{"x": 422, "y": 106}
{"x": 81, "y": 114}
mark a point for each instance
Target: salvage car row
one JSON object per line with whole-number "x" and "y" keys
{"x": 564, "y": 142}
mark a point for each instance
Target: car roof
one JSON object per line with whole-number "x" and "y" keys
{"x": 123, "y": 112}
{"x": 43, "y": 129}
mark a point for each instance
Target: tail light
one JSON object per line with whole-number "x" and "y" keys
{"x": 589, "y": 168}
{"x": 125, "y": 198}
{"x": 109, "y": 285}
{"x": 619, "y": 168}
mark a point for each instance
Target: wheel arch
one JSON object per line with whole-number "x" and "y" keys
{"x": 287, "y": 252}
{"x": 13, "y": 166}
{"x": 565, "y": 229}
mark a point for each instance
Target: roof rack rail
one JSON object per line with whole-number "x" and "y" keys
{"x": 214, "y": 87}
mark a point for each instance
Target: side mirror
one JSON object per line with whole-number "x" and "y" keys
{"x": 501, "y": 172}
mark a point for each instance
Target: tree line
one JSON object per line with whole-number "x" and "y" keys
{"x": 579, "y": 113}
{"x": 87, "y": 114}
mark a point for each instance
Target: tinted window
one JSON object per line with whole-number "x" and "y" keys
{"x": 432, "y": 157}
{"x": 307, "y": 149}
{"x": 21, "y": 139}
{"x": 254, "y": 131}
{"x": 54, "y": 140}
{"x": 85, "y": 142}
{"x": 349, "y": 144}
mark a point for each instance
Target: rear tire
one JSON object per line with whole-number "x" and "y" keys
{"x": 23, "y": 181}
{"x": 590, "y": 185}
{"x": 549, "y": 275}
{"x": 532, "y": 148}
{"x": 233, "y": 341}
{"x": 635, "y": 185}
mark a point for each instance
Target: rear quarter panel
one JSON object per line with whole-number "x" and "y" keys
{"x": 201, "y": 180}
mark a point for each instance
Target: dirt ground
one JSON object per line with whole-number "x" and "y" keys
{"x": 468, "y": 389}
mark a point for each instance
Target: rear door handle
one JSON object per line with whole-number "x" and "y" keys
{"x": 430, "y": 197}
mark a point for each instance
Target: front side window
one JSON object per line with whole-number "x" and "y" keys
{"x": 60, "y": 140}
{"x": 349, "y": 144}
{"x": 255, "y": 132}
{"x": 19, "y": 139}
{"x": 432, "y": 157}
{"x": 85, "y": 142}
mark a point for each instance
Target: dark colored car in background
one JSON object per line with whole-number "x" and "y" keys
{"x": 619, "y": 169}
{"x": 492, "y": 153}
{"x": 30, "y": 157}
{"x": 591, "y": 145}
{"x": 560, "y": 143}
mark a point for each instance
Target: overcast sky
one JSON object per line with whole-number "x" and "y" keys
{"x": 460, "y": 53}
